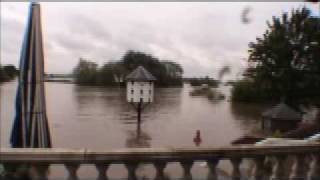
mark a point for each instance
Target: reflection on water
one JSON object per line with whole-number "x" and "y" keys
{"x": 250, "y": 114}
{"x": 138, "y": 139}
{"x": 247, "y": 112}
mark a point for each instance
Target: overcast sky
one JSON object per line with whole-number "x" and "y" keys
{"x": 202, "y": 37}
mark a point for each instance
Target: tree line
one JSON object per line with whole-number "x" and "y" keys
{"x": 113, "y": 73}
{"x": 284, "y": 64}
{"x": 8, "y": 72}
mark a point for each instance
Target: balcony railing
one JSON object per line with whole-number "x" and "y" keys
{"x": 305, "y": 164}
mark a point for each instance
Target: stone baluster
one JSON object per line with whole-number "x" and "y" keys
{"x": 132, "y": 167}
{"x": 40, "y": 171}
{"x": 72, "y": 170}
{"x": 102, "y": 170}
{"x": 315, "y": 168}
{"x": 299, "y": 169}
{"x": 9, "y": 170}
{"x": 236, "y": 173}
{"x": 16, "y": 170}
{"x": 279, "y": 167}
{"x": 259, "y": 170}
{"x": 187, "y": 165}
{"x": 212, "y": 166}
{"x": 160, "y": 169}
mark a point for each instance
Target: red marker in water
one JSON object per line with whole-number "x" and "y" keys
{"x": 197, "y": 139}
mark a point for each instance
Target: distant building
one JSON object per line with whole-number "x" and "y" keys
{"x": 281, "y": 117}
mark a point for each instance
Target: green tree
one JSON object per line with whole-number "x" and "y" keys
{"x": 86, "y": 72}
{"x": 173, "y": 69}
{"x": 111, "y": 74}
{"x": 167, "y": 73}
{"x": 285, "y": 61}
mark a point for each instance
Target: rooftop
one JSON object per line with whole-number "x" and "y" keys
{"x": 282, "y": 112}
{"x": 140, "y": 74}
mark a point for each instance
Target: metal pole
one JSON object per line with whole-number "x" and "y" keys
{"x": 139, "y": 110}
{"x": 138, "y": 131}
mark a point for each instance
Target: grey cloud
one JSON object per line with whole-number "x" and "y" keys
{"x": 202, "y": 37}
{"x": 73, "y": 43}
{"x": 10, "y": 32}
{"x": 88, "y": 26}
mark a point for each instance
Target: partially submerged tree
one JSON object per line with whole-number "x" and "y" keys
{"x": 11, "y": 71}
{"x": 86, "y": 72}
{"x": 168, "y": 73}
{"x": 8, "y": 72}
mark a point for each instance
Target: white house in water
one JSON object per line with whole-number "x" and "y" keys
{"x": 140, "y": 86}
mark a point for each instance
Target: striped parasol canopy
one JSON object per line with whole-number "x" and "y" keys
{"x": 30, "y": 127}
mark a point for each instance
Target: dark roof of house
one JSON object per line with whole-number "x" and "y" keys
{"x": 282, "y": 112}
{"x": 140, "y": 74}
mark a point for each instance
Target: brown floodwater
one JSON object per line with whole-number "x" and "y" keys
{"x": 99, "y": 118}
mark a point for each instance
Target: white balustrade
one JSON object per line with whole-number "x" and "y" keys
{"x": 306, "y": 164}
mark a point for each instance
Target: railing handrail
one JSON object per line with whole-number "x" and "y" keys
{"x": 58, "y": 155}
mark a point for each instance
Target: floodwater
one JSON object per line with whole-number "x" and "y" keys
{"x": 99, "y": 118}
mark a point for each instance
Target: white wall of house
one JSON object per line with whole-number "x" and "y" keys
{"x": 140, "y": 90}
